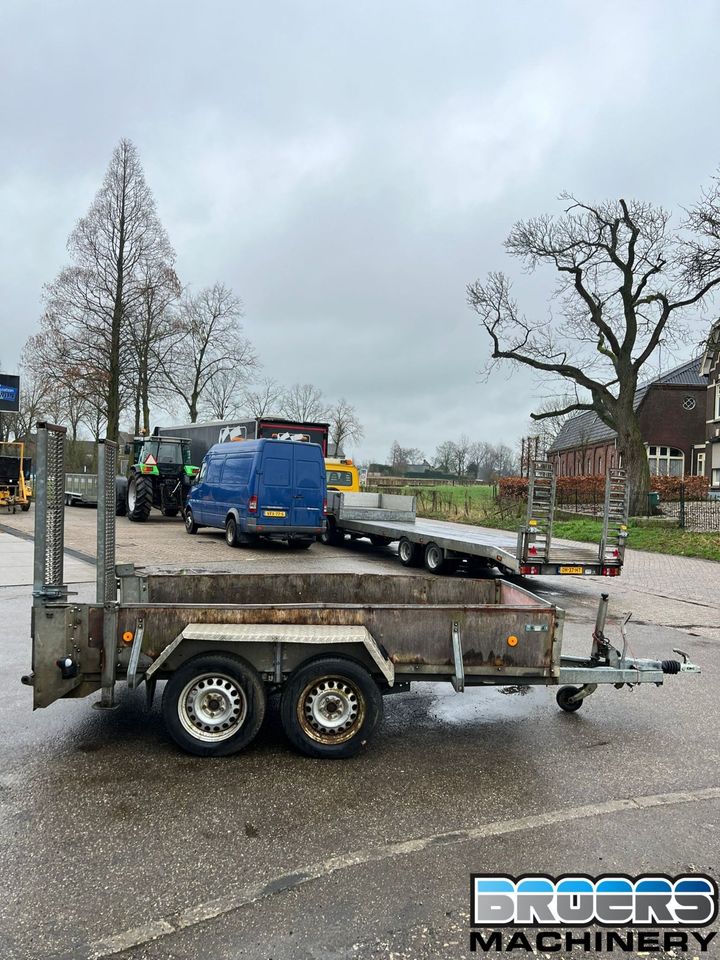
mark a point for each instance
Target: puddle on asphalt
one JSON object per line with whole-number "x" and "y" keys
{"x": 482, "y": 704}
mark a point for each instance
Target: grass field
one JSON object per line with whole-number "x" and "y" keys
{"x": 476, "y": 504}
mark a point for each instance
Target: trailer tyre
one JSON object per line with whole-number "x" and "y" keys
{"x": 330, "y": 708}
{"x": 564, "y": 701}
{"x": 434, "y": 558}
{"x": 409, "y": 553}
{"x": 214, "y": 705}
{"x": 139, "y": 497}
{"x": 331, "y": 535}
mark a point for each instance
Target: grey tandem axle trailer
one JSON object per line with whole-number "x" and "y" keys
{"x": 441, "y": 546}
{"x": 332, "y": 645}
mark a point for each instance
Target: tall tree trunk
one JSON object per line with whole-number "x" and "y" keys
{"x": 635, "y": 461}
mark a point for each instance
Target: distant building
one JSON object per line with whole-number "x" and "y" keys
{"x": 710, "y": 368}
{"x": 671, "y": 409}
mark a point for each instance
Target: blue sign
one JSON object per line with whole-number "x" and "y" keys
{"x": 9, "y": 393}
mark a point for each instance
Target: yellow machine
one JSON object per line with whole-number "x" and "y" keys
{"x": 342, "y": 475}
{"x": 15, "y": 490}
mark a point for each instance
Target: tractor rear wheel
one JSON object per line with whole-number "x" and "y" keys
{"x": 139, "y": 497}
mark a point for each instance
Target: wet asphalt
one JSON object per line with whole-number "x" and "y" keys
{"x": 106, "y": 828}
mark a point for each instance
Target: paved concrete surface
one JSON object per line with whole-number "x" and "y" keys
{"x": 111, "y": 840}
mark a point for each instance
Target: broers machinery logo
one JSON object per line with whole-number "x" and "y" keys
{"x": 648, "y": 913}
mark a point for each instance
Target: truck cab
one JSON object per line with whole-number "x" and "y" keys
{"x": 342, "y": 475}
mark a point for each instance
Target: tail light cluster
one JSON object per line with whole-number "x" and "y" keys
{"x": 324, "y": 506}
{"x": 527, "y": 570}
{"x": 610, "y": 571}
{"x": 252, "y": 505}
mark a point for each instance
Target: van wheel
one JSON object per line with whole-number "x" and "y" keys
{"x": 434, "y": 558}
{"x": 214, "y": 705}
{"x": 190, "y": 525}
{"x": 231, "y": 532}
{"x": 409, "y": 553}
{"x": 330, "y": 707}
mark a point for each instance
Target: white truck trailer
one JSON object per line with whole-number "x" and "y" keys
{"x": 441, "y": 546}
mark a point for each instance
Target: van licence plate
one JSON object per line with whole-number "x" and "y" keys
{"x": 273, "y": 513}
{"x": 570, "y": 570}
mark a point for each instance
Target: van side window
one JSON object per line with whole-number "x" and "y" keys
{"x": 215, "y": 469}
{"x": 277, "y": 472}
{"x": 203, "y": 471}
{"x": 237, "y": 471}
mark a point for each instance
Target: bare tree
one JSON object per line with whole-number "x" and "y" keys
{"x": 401, "y": 457}
{"x": 444, "y": 456}
{"x": 89, "y": 303}
{"x": 460, "y": 455}
{"x": 225, "y": 399}
{"x": 304, "y": 402}
{"x": 263, "y": 398}
{"x": 625, "y": 282}
{"x": 210, "y": 343}
{"x": 345, "y": 427}
{"x": 153, "y": 330}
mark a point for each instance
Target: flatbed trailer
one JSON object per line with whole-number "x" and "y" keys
{"x": 333, "y": 645}
{"x": 81, "y": 489}
{"x": 441, "y": 546}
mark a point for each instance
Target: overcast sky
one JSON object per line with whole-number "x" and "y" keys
{"x": 348, "y": 167}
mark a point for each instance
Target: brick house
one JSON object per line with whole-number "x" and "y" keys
{"x": 671, "y": 408}
{"x": 710, "y": 367}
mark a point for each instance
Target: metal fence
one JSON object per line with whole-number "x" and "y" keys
{"x": 691, "y": 510}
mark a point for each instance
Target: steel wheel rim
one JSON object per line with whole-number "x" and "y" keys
{"x": 230, "y": 531}
{"x": 405, "y": 550}
{"x": 433, "y": 557}
{"x": 188, "y": 520}
{"x": 331, "y": 709}
{"x": 212, "y": 707}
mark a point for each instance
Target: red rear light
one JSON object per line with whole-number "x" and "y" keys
{"x": 324, "y": 507}
{"x": 526, "y": 570}
{"x": 252, "y": 505}
{"x": 610, "y": 571}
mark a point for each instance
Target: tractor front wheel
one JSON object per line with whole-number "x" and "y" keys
{"x": 139, "y": 497}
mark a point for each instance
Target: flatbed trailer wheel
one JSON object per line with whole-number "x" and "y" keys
{"x": 330, "y": 707}
{"x": 410, "y": 554}
{"x": 331, "y": 535}
{"x": 434, "y": 558}
{"x": 564, "y": 701}
{"x": 214, "y": 705}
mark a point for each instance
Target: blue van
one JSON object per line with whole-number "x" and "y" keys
{"x": 260, "y": 488}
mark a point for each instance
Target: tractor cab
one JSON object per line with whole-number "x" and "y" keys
{"x": 159, "y": 476}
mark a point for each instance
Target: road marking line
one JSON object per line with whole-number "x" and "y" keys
{"x": 209, "y": 910}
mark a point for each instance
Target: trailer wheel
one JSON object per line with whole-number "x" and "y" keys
{"x": 330, "y": 707}
{"x": 214, "y": 705}
{"x": 410, "y": 553}
{"x": 377, "y": 541}
{"x": 190, "y": 525}
{"x": 434, "y": 558}
{"x": 563, "y": 699}
{"x": 120, "y": 496}
{"x": 139, "y": 497}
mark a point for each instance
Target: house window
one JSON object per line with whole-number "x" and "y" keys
{"x": 700, "y": 464}
{"x": 715, "y": 478}
{"x": 666, "y": 461}
{"x": 716, "y": 413}
{"x": 689, "y": 403}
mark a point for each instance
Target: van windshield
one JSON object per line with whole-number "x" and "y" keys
{"x": 339, "y": 478}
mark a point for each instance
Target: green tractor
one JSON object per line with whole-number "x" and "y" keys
{"x": 160, "y": 475}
